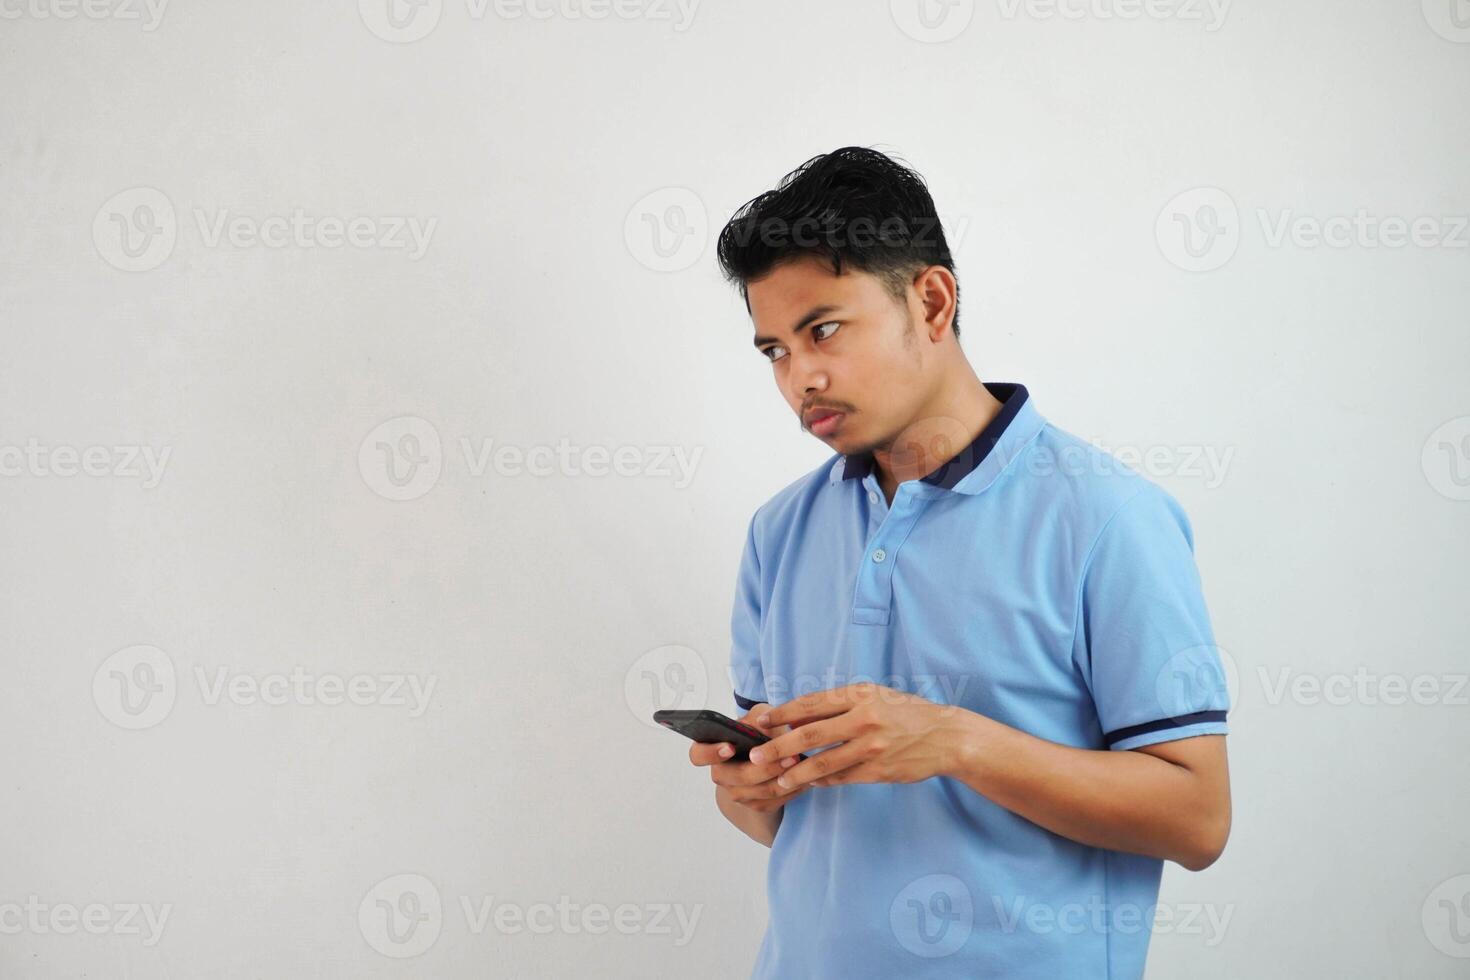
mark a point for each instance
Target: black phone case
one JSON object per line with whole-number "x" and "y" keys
{"x": 707, "y": 726}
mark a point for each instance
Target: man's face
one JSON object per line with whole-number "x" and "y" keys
{"x": 850, "y": 360}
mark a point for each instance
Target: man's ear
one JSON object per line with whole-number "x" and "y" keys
{"x": 937, "y": 291}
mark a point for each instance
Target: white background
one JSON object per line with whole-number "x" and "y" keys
{"x": 546, "y": 151}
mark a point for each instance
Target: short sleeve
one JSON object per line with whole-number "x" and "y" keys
{"x": 746, "y": 675}
{"x": 1144, "y": 640}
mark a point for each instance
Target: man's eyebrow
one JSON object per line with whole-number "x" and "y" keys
{"x": 802, "y": 324}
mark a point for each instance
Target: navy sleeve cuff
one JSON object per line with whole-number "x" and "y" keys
{"x": 744, "y": 702}
{"x": 1157, "y": 726}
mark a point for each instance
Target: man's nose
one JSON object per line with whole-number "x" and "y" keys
{"x": 808, "y": 373}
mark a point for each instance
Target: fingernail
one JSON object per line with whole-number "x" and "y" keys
{"x": 759, "y": 720}
{"x": 726, "y": 751}
{"x": 783, "y": 783}
{"x": 756, "y": 755}
{"x": 788, "y": 762}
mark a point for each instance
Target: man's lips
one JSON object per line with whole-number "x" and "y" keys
{"x": 823, "y": 420}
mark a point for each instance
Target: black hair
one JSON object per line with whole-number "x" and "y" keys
{"x": 854, "y": 207}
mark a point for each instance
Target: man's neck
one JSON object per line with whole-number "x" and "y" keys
{"x": 940, "y": 431}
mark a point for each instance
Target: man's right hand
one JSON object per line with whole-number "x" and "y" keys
{"x": 751, "y": 785}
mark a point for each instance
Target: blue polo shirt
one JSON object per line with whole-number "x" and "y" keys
{"x": 1033, "y": 579}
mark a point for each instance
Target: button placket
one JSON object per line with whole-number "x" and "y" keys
{"x": 877, "y": 505}
{"x": 874, "y": 595}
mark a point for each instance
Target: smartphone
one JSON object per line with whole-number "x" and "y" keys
{"x": 709, "y": 726}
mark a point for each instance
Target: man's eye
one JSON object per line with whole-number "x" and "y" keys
{"x": 831, "y": 323}
{"x": 775, "y": 352}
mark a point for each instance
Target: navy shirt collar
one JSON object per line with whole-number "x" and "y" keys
{"x": 1011, "y": 396}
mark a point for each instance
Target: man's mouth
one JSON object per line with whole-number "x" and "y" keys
{"x": 823, "y": 421}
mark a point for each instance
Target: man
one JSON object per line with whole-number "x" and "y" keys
{"x": 979, "y": 643}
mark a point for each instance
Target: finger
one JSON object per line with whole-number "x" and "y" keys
{"x": 824, "y": 765}
{"x": 805, "y": 738}
{"x": 744, "y": 773}
{"x": 768, "y": 804}
{"x": 759, "y": 706}
{"x": 818, "y": 704}
{"x": 711, "y": 753}
{"x": 767, "y": 792}
{"x": 863, "y": 772}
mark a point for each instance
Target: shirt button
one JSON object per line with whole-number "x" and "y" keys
{"x": 879, "y": 554}
{"x": 872, "y": 497}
